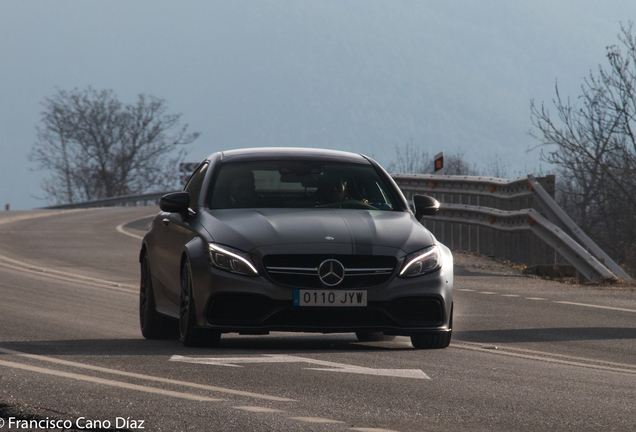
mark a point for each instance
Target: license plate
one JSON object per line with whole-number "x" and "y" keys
{"x": 330, "y": 298}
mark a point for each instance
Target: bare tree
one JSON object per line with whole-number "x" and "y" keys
{"x": 456, "y": 164}
{"x": 411, "y": 159}
{"x": 497, "y": 168}
{"x": 594, "y": 145}
{"x": 96, "y": 147}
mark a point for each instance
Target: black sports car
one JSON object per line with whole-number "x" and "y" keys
{"x": 302, "y": 240}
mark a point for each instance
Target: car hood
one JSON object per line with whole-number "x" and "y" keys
{"x": 362, "y": 230}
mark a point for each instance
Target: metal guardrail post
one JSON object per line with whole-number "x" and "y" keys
{"x": 504, "y": 221}
{"x": 557, "y": 216}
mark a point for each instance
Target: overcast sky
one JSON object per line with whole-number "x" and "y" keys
{"x": 362, "y": 76}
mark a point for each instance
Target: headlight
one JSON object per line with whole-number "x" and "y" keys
{"x": 231, "y": 260}
{"x": 422, "y": 261}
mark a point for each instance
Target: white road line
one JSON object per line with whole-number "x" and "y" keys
{"x": 596, "y": 306}
{"x": 65, "y": 276}
{"x": 120, "y": 228}
{"x": 538, "y": 355}
{"x": 372, "y": 430}
{"x": 257, "y": 409}
{"x": 145, "y": 377}
{"x": 68, "y": 279}
{"x": 107, "y": 382}
{"x": 34, "y": 215}
{"x": 556, "y": 301}
{"x": 315, "y": 420}
{"x": 564, "y": 356}
{"x": 329, "y": 366}
{"x": 57, "y": 274}
{"x": 467, "y": 290}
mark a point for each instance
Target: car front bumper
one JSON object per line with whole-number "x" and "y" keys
{"x": 229, "y": 302}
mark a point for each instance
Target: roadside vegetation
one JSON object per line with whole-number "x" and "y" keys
{"x": 412, "y": 159}
{"x": 592, "y": 141}
{"x": 95, "y": 146}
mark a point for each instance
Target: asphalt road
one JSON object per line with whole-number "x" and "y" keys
{"x": 527, "y": 354}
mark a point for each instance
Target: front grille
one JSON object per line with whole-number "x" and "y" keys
{"x": 301, "y": 271}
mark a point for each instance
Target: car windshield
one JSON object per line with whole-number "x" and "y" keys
{"x": 292, "y": 184}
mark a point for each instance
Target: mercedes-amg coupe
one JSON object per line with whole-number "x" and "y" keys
{"x": 294, "y": 240}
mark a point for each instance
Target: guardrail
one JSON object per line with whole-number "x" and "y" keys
{"x": 509, "y": 216}
{"x": 514, "y": 219}
{"x": 142, "y": 199}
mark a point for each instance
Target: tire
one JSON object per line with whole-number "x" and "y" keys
{"x": 190, "y": 335}
{"x": 434, "y": 340}
{"x": 153, "y": 324}
{"x": 373, "y": 337}
{"x": 431, "y": 340}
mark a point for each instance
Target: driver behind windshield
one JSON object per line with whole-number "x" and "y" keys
{"x": 332, "y": 189}
{"x": 243, "y": 190}
{"x": 291, "y": 184}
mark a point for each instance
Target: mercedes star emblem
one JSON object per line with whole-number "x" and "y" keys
{"x": 331, "y": 272}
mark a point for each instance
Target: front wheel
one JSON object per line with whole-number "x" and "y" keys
{"x": 190, "y": 335}
{"x": 431, "y": 340}
{"x": 434, "y": 340}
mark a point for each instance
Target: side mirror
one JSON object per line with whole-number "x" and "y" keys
{"x": 424, "y": 205}
{"x": 176, "y": 202}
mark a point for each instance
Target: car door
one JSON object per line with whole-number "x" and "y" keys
{"x": 174, "y": 231}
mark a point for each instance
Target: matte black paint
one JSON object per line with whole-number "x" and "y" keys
{"x": 177, "y": 237}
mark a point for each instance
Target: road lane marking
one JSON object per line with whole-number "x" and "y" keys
{"x": 145, "y": 377}
{"x": 372, "y": 430}
{"x": 57, "y": 274}
{"x": 398, "y": 373}
{"x": 464, "y": 289}
{"x": 549, "y": 357}
{"x": 330, "y": 366}
{"x": 596, "y": 306}
{"x": 315, "y": 420}
{"x": 602, "y": 362}
{"x": 557, "y": 301}
{"x": 120, "y": 228}
{"x": 65, "y": 276}
{"x": 257, "y": 409}
{"x": 107, "y": 382}
{"x": 28, "y": 216}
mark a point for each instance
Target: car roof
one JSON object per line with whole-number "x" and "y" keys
{"x": 290, "y": 153}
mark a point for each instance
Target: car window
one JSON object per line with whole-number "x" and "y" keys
{"x": 194, "y": 185}
{"x": 291, "y": 184}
